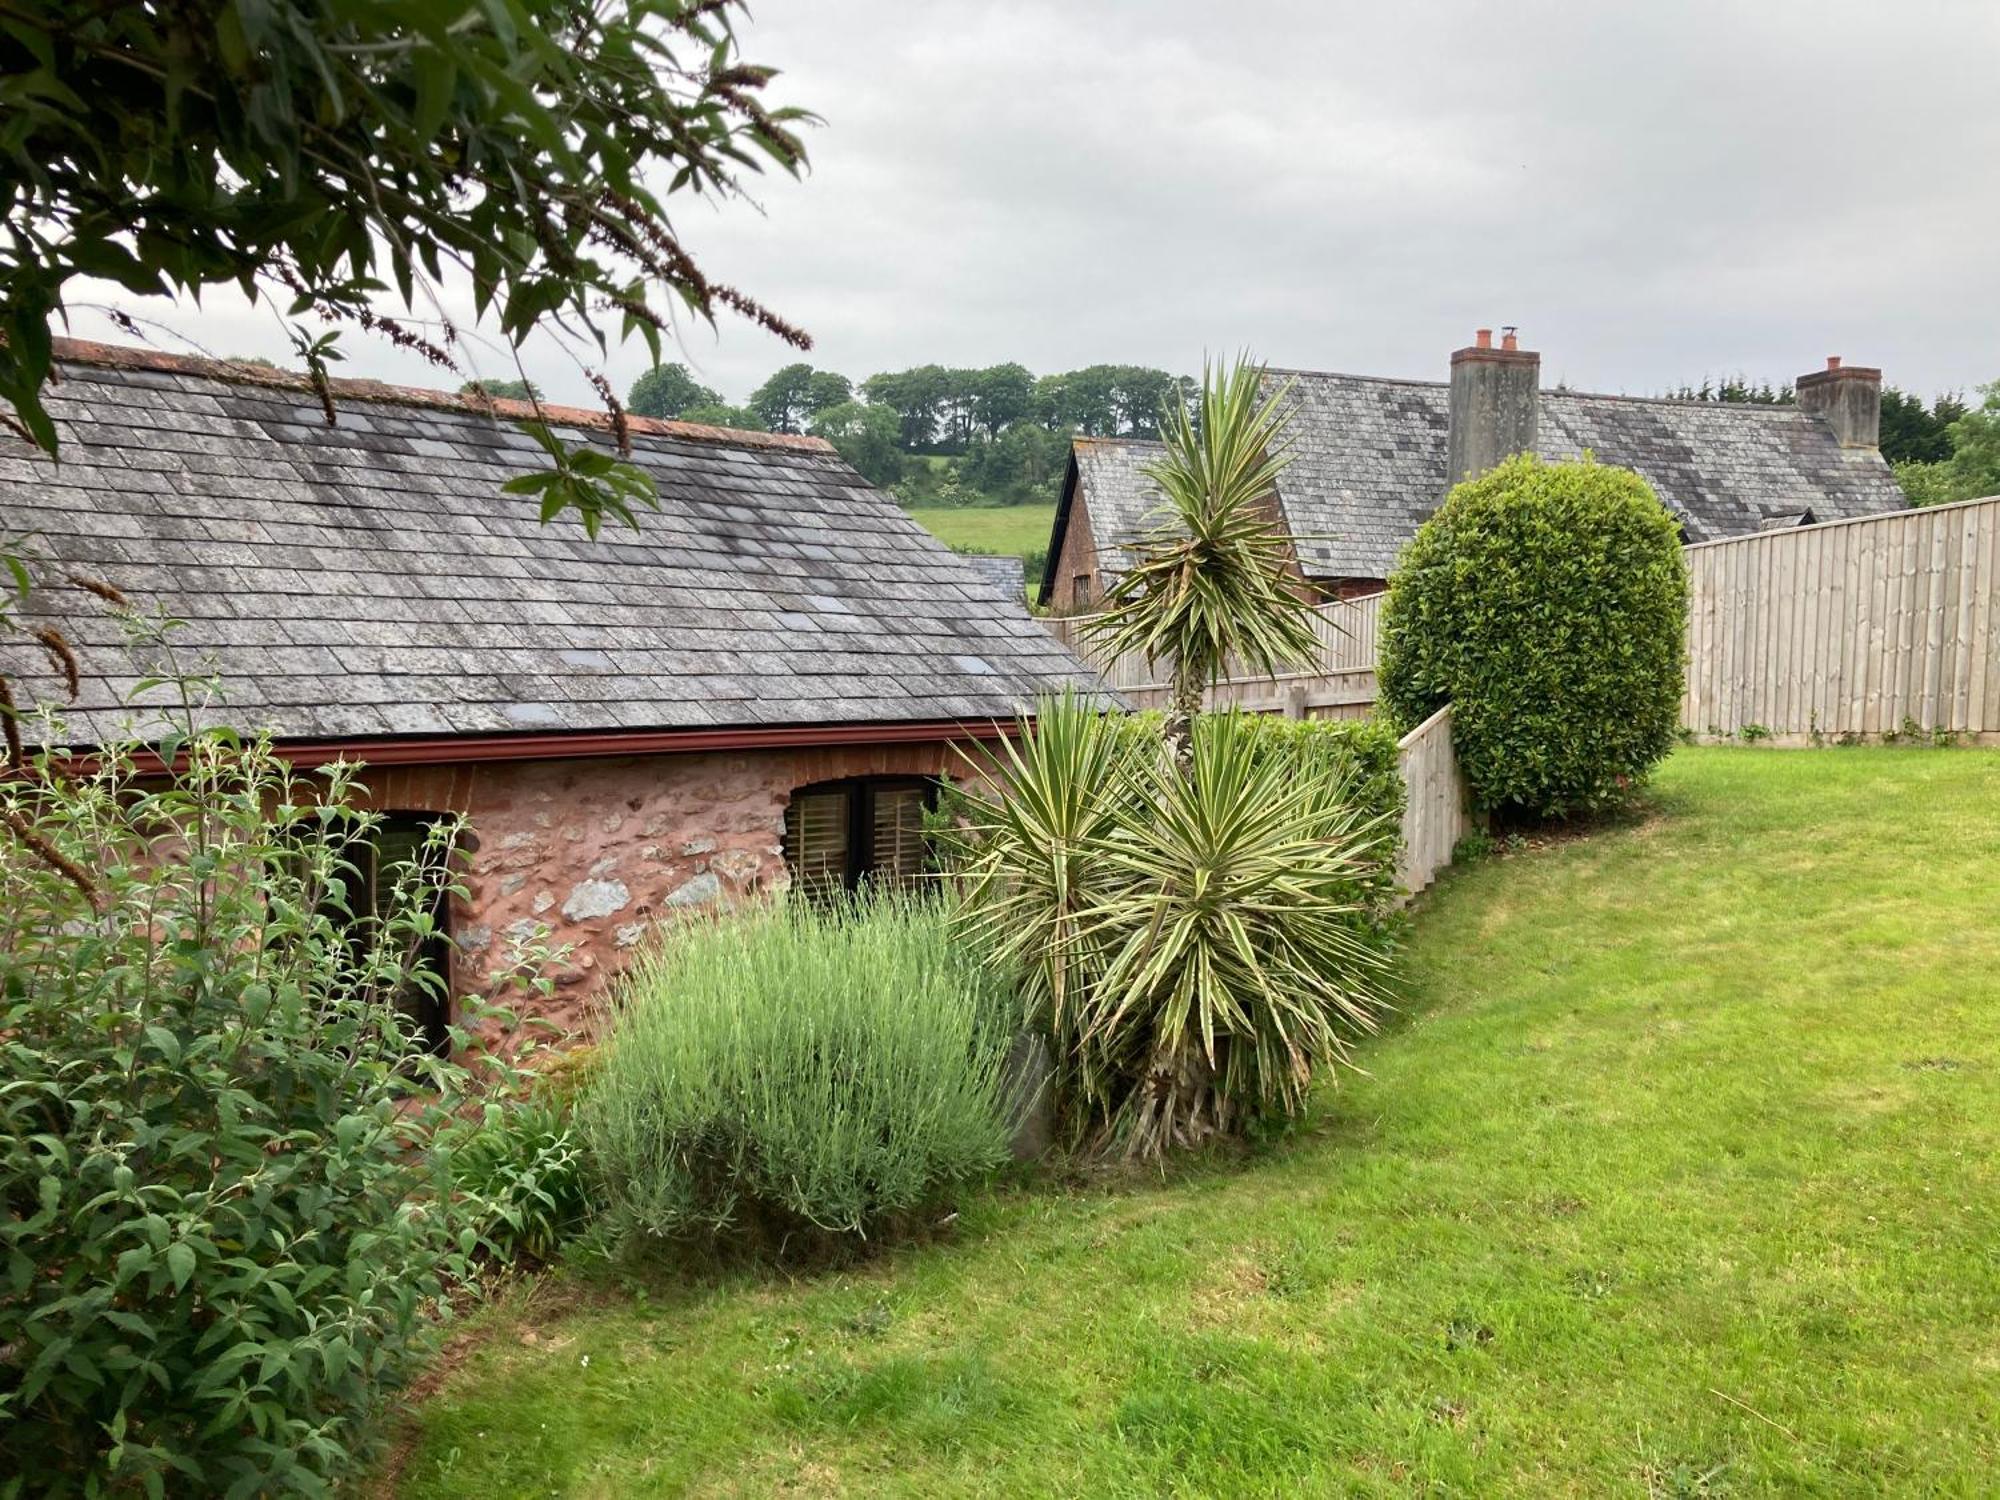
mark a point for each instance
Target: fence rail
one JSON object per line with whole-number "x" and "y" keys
{"x": 1854, "y": 629}
{"x": 1347, "y": 629}
{"x": 1298, "y": 695}
{"x": 1435, "y": 816}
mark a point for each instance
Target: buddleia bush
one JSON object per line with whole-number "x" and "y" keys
{"x": 802, "y": 1077}
{"x": 222, "y": 1235}
{"x": 1547, "y": 603}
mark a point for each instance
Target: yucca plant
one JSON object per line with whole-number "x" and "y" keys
{"x": 1211, "y": 579}
{"x": 1198, "y": 946}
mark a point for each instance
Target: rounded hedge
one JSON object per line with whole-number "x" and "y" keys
{"x": 1547, "y": 603}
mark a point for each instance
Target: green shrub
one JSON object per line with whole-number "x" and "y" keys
{"x": 1199, "y": 945}
{"x": 798, "y": 1077}
{"x": 517, "y": 1172}
{"x": 219, "y": 1241}
{"x": 1547, "y": 603}
{"x": 1359, "y": 755}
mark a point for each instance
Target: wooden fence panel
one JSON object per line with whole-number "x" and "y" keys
{"x": 1435, "y": 817}
{"x": 1348, "y": 632}
{"x": 1851, "y": 629}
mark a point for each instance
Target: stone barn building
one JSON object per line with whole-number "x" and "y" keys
{"x": 1373, "y": 457}
{"x": 757, "y": 688}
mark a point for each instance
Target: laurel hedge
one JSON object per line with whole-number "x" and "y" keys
{"x": 1547, "y": 603}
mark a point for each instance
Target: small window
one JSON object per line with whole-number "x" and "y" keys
{"x": 841, "y": 834}
{"x": 401, "y": 839}
{"x": 1079, "y": 589}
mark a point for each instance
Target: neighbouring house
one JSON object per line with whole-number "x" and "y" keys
{"x": 758, "y": 687}
{"x": 1373, "y": 457}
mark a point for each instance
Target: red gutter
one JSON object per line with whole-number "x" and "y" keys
{"x": 461, "y": 749}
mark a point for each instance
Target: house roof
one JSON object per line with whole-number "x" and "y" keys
{"x": 369, "y": 579}
{"x": 1368, "y": 466}
{"x": 1006, "y": 575}
{"x": 1118, "y": 499}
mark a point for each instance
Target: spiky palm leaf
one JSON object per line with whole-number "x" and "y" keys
{"x": 1211, "y": 579}
{"x": 1028, "y": 866}
{"x": 1197, "y": 946}
{"x": 1237, "y": 938}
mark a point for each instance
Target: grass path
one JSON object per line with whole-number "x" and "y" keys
{"x": 1679, "y": 1177}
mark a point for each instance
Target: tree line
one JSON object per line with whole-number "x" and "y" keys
{"x": 1004, "y": 430}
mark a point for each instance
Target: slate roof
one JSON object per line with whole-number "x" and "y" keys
{"x": 370, "y": 579}
{"x": 1368, "y": 466}
{"x": 1007, "y": 576}
{"x": 1118, "y": 497}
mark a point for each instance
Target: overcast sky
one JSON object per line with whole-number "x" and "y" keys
{"x": 1653, "y": 193}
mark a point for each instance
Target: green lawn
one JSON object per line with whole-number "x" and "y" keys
{"x": 1678, "y": 1177}
{"x": 1000, "y": 529}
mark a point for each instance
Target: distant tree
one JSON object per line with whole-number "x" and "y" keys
{"x": 1021, "y": 466}
{"x": 1142, "y": 395}
{"x": 917, "y": 397}
{"x": 1972, "y": 471}
{"x": 1091, "y": 400}
{"x": 720, "y": 414}
{"x": 1975, "y": 446}
{"x": 668, "y": 391}
{"x": 866, "y": 437}
{"x": 501, "y": 390}
{"x": 1110, "y": 400}
{"x": 826, "y": 390}
{"x": 787, "y": 401}
{"x": 1001, "y": 396}
{"x": 1736, "y": 390}
{"x": 1914, "y": 433}
{"x": 955, "y": 409}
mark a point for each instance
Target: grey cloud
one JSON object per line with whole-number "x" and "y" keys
{"x": 1653, "y": 193}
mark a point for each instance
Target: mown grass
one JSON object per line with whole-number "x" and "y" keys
{"x": 1005, "y": 530}
{"x": 1677, "y": 1177}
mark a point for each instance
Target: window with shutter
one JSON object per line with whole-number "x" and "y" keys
{"x": 839, "y": 834}
{"x": 899, "y": 835}
{"x": 817, "y": 846}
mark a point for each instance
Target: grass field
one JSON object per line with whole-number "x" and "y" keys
{"x": 1001, "y": 529}
{"x": 1680, "y": 1175}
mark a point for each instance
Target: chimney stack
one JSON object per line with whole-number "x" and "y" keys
{"x": 1848, "y": 398}
{"x": 1494, "y": 395}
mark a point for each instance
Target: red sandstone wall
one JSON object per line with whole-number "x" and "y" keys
{"x": 1078, "y": 555}
{"x": 601, "y": 851}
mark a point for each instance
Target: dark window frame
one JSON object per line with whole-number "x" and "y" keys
{"x": 861, "y": 792}
{"x": 431, "y": 1013}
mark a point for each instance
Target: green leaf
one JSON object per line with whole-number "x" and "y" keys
{"x": 165, "y": 1043}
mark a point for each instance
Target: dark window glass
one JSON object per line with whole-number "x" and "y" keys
{"x": 399, "y": 841}
{"x": 841, "y": 833}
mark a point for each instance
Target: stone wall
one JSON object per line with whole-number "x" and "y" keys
{"x": 600, "y": 851}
